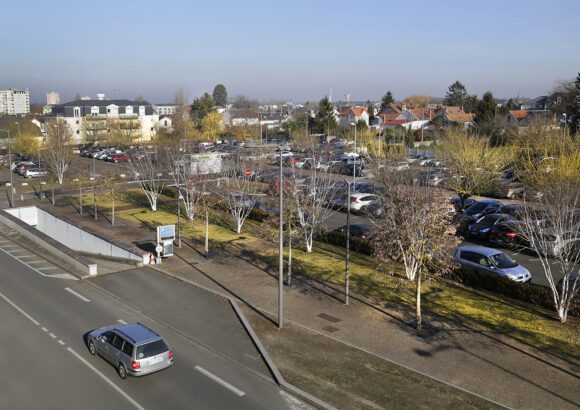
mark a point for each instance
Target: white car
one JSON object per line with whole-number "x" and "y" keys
{"x": 359, "y": 200}
{"x": 304, "y": 163}
{"x": 35, "y": 173}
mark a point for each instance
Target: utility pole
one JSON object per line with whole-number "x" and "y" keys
{"x": 281, "y": 249}
{"x": 178, "y": 207}
{"x": 564, "y": 134}
{"x": 10, "y": 168}
{"x": 347, "y": 263}
{"x": 94, "y": 189}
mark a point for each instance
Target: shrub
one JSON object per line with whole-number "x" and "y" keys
{"x": 360, "y": 245}
{"x": 527, "y": 292}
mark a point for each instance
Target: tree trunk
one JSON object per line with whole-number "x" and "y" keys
{"x": 206, "y": 233}
{"x": 418, "y": 307}
{"x": 309, "y": 243}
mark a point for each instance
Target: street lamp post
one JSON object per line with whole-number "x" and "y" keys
{"x": 347, "y": 263}
{"x": 94, "y": 190}
{"x": 178, "y": 206}
{"x": 281, "y": 248}
{"x": 564, "y": 134}
{"x": 10, "y": 168}
{"x": 354, "y": 157}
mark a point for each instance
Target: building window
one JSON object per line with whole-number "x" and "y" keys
{"x": 77, "y": 112}
{"x": 141, "y": 111}
{"x": 129, "y": 110}
{"x": 77, "y": 122}
{"x": 78, "y": 132}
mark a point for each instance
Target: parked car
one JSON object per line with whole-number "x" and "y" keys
{"x": 375, "y": 209}
{"x": 120, "y": 158}
{"x": 481, "y": 228}
{"x": 133, "y": 349}
{"x": 573, "y": 283}
{"x": 482, "y": 208}
{"x": 358, "y": 230}
{"x": 554, "y": 244}
{"x": 359, "y": 200}
{"x": 35, "y": 172}
{"x": 508, "y": 233}
{"x": 456, "y": 202}
{"x": 304, "y": 163}
{"x": 491, "y": 261}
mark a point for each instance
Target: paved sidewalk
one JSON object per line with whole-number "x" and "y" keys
{"x": 490, "y": 365}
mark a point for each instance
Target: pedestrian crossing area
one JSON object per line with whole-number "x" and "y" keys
{"x": 9, "y": 245}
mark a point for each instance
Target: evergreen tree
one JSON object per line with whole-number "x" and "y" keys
{"x": 325, "y": 121}
{"x": 386, "y": 101}
{"x": 470, "y": 103}
{"x": 201, "y": 107}
{"x": 485, "y": 111}
{"x": 220, "y": 95}
{"x": 456, "y": 95}
{"x": 371, "y": 111}
{"x": 575, "y": 108}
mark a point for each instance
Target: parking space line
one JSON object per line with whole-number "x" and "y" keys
{"x": 216, "y": 379}
{"x": 52, "y": 335}
{"x": 60, "y": 342}
{"x": 78, "y": 295}
{"x": 106, "y": 379}
{"x": 44, "y": 329}
{"x": 18, "y": 309}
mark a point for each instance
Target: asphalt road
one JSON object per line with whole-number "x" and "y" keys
{"x": 45, "y": 362}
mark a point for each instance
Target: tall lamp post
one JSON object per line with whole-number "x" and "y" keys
{"x": 352, "y": 124}
{"x": 281, "y": 248}
{"x": 564, "y": 134}
{"x": 10, "y": 168}
{"x": 347, "y": 262}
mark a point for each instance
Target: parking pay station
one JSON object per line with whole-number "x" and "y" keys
{"x": 165, "y": 238}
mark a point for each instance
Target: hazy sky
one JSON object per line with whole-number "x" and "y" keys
{"x": 295, "y": 50}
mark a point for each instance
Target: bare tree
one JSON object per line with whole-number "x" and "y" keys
{"x": 57, "y": 152}
{"x": 414, "y": 231}
{"x": 111, "y": 184}
{"x": 238, "y": 191}
{"x": 311, "y": 196}
{"x": 552, "y": 232}
{"x": 146, "y": 168}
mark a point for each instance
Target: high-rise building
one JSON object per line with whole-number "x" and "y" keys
{"x": 52, "y": 98}
{"x": 14, "y": 102}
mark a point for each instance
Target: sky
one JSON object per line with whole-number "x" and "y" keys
{"x": 297, "y": 50}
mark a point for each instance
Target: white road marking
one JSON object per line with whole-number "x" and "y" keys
{"x": 78, "y": 295}
{"x": 48, "y": 268}
{"x": 109, "y": 382}
{"x": 44, "y": 329}
{"x": 121, "y": 321}
{"x": 228, "y": 386}
{"x": 60, "y": 342}
{"x": 20, "y": 310}
{"x": 52, "y": 335}
{"x": 33, "y": 268}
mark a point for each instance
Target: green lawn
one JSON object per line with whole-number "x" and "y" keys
{"x": 480, "y": 309}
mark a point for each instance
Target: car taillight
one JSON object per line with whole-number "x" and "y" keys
{"x": 135, "y": 364}
{"x": 170, "y": 353}
{"x": 510, "y": 235}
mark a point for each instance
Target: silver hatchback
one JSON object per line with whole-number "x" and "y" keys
{"x": 133, "y": 349}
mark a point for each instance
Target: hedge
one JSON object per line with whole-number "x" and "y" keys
{"x": 360, "y": 245}
{"x": 527, "y": 292}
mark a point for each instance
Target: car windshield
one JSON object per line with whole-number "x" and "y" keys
{"x": 152, "y": 349}
{"x": 502, "y": 261}
{"x": 475, "y": 208}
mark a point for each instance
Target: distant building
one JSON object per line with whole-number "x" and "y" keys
{"x": 93, "y": 120}
{"x": 52, "y": 98}
{"x": 165, "y": 109}
{"x": 14, "y": 102}
{"x": 353, "y": 115}
{"x": 241, "y": 116}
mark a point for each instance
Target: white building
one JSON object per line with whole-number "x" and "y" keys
{"x": 52, "y": 98}
{"x": 100, "y": 116}
{"x": 14, "y": 102}
{"x": 165, "y": 109}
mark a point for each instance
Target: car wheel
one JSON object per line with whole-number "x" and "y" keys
{"x": 122, "y": 371}
{"x": 92, "y": 348}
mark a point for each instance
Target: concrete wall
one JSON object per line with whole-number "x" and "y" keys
{"x": 79, "y": 239}
{"x": 27, "y": 214}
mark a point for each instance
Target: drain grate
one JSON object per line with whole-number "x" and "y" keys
{"x": 328, "y": 318}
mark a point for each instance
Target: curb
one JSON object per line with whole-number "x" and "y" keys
{"x": 278, "y": 378}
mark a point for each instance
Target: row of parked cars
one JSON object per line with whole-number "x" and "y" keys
{"x": 110, "y": 154}
{"x": 29, "y": 168}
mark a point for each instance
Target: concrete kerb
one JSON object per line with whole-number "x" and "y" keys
{"x": 278, "y": 378}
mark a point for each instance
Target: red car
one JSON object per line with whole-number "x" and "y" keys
{"x": 120, "y": 158}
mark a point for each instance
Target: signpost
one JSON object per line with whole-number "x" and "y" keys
{"x": 165, "y": 238}
{"x": 248, "y": 173}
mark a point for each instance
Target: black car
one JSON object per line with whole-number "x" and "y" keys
{"x": 508, "y": 233}
{"x": 357, "y": 230}
{"x": 483, "y": 226}
{"x": 482, "y": 208}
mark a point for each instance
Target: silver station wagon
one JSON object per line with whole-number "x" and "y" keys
{"x": 133, "y": 349}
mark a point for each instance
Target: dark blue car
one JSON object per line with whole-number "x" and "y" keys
{"x": 484, "y": 225}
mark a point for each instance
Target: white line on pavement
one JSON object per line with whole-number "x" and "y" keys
{"x": 212, "y": 376}
{"x": 121, "y": 321}
{"x": 44, "y": 329}
{"x": 102, "y": 376}
{"x": 52, "y": 335}
{"x": 60, "y": 342}
{"x": 78, "y": 295}
{"x": 20, "y": 310}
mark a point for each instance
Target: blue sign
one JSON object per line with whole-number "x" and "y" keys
{"x": 165, "y": 232}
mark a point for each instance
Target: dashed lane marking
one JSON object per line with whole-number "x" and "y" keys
{"x": 78, "y": 295}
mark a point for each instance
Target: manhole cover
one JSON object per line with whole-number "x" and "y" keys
{"x": 328, "y": 318}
